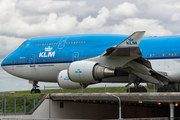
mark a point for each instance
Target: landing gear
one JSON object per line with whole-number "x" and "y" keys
{"x": 137, "y": 89}
{"x": 34, "y": 90}
{"x": 167, "y": 88}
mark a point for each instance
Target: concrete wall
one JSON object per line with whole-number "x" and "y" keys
{"x": 79, "y": 110}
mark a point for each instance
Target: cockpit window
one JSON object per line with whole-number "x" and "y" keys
{"x": 22, "y": 44}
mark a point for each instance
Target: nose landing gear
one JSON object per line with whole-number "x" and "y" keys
{"x": 34, "y": 90}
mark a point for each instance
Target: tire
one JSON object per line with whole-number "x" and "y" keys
{"x": 38, "y": 90}
{"x": 161, "y": 89}
{"x": 33, "y": 91}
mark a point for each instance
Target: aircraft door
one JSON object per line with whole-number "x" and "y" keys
{"x": 62, "y": 42}
{"x": 76, "y": 56}
{"x": 32, "y": 60}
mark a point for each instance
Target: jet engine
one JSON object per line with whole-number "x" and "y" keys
{"x": 64, "y": 81}
{"x": 89, "y": 72}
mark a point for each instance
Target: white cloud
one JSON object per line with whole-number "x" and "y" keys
{"x": 99, "y": 21}
{"x": 124, "y": 10}
{"x": 151, "y": 26}
{"x": 9, "y": 44}
{"x": 175, "y": 17}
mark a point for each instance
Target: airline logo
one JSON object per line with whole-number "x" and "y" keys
{"x": 78, "y": 71}
{"x": 131, "y": 42}
{"x": 47, "y": 52}
{"x": 66, "y": 78}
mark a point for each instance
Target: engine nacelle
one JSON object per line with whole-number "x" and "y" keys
{"x": 88, "y": 72}
{"x": 153, "y": 86}
{"x": 64, "y": 81}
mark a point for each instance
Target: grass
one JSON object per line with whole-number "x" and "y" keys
{"x": 21, "y": 95}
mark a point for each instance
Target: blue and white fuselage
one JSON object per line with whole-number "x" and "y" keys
{"x": 42, "y": 59}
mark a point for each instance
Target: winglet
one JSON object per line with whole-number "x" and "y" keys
{"x": 132, "y": 41}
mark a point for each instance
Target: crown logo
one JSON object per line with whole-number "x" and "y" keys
{"x": 130, "y": 39}
{"x": 48, "y": 49}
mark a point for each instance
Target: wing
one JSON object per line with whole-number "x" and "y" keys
{"x": 135, "y": 65}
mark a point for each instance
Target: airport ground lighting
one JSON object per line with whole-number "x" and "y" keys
{"x": 119, "y": 102}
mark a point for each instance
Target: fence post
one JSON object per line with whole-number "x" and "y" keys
{"x": 44, "y": 88}
{"x": 4, "y": 105}
{"x": 33, "y": 103}
{"x": 82, "y": 88}
{"x": 14, "y": 105}
{"x": 24, "y": 105}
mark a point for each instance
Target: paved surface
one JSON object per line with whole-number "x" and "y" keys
{"x": 125, "y": 97}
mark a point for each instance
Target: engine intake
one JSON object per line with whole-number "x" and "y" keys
{"x": 64, "y": 81}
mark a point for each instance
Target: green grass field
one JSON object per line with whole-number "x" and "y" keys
{"x": 21, "y": 95}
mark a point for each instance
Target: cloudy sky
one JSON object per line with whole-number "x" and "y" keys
{"x": 24, "y": 19}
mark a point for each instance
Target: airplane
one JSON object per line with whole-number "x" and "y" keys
{"x": 76, "y": 61}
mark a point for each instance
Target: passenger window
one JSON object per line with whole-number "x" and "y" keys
{"x": 79, "y": 41}
{"x": 178, "y": 54}
{"x": 52, "y": 59}
{"x": 156, "y": 55}
{"x": 62, "y": 58}
{"x": 147, "y": 55}
{"x": 47, "y": 43}
{"x": 36, "y": 45}
{"x": 153, "y": 55}
{"x": 55, "y": 59}
{"x": 160, "y": 55}
{"x": 175, "y": 54}
{"x": 150, "y": 55}
{"x": 84, "y": 41}
{"x": 166, "y": 54}
{"x": 163, "y": 54}
{"x": 40, "y": 44}
{"x": 67, "y": 58}
{"x": 46, "y": 59}
{"x": 58, "y": 59}
{"x": 169, "y": 54}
